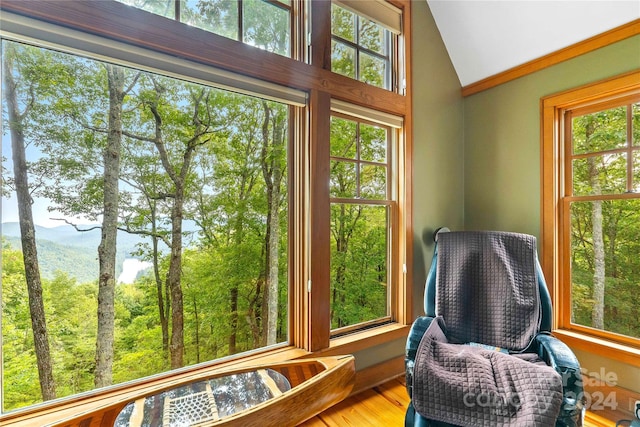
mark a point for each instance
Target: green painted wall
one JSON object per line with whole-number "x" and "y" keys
{"x": 477, "y": 159}
{"x": 438, "y": 151}
{"x": 502, "y": 138}
{"x": 438, "y": 185}
{"x": 502, "y": 154}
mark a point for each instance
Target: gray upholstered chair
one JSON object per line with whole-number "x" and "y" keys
{"x": 480, "y": 285}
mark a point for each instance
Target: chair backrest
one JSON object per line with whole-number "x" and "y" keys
{"x": 479, "y": 246}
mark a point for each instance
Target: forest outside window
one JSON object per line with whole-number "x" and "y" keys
{"x": 261, "y": 23}
{"x": 145, "y": 217}
{"x": 591, "y": 214}
{"x": 207, "y": 217}
{"x": 363, "y": 41}
{"x": 362, "y": 216}
{"x": 602, "y": 205}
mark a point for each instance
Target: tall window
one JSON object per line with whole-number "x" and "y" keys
{"x": 591, "y": 212}
{"x": 261, "y": 23}
{"x": 361, "y": 46}
{"x": 602, "y": 204}
{"x": 362, "y": 215}
{"x": 146, "y": 218}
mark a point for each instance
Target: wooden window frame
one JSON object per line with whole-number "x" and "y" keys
{"x": 390, "y": 59}
{"x": 393, "y": 179}
{"x": 310, "y": 327}
{"x": 555, "y": 224}
{"x": 290, "y": 8}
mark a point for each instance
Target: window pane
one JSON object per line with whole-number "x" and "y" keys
{"x": 605, "y": 267}
{"x": 217, "y": 16}
{"x": 202, "y": 175}
{"x": 343, "y": 23}
{"x": 343, "y": 179}
{"x": 359, "y": 264}
{"x": 373, "y": 143}
{"x": 373, "y": 182}
{"x": 636, "y": 171}
{"x": 343, "y": 138}
{"x": 372, "y": 36}
{"x": 164, "y": 8}
{"x": 343, "y": 59}
{"x": 266, "y": 26}
{"x": 605, "y": 174}
{"x": 636, "y": 123}
{"x": 604, "y": 130}
{"x": 373, "y": 70}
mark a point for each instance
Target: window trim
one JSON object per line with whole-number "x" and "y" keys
{"x": 390, "y": 39}
{"x": 310, "y": 336}
{"x": 391, "y": 124}
{"x": 555, "y": 261}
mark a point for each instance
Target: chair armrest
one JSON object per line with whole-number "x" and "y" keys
{"x": 413, "y": 341}
{"x": 559, "y": 356}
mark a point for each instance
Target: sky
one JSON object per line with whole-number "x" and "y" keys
{"x": 9, "y": 209}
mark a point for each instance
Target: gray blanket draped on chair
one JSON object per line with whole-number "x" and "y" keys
{"x": 486, "y": 292}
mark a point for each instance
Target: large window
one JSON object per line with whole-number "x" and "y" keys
{"x": 597, "y": 174}
{"x": 151, "y": 216}
{"x": 172, "y": 202}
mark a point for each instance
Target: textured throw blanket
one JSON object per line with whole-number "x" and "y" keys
{"x": 471, "y": 386}
{"x": 486, "y": 292}
{"x": 486, "y": 288}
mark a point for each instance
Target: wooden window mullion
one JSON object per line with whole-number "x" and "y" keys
{"x": 318, "y": 299}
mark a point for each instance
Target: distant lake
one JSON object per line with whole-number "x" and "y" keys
{"x": 130, "y": 269}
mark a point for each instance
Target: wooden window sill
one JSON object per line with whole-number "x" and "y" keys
{"x": 605, "y": 348}
{"x": 48, "y": 412}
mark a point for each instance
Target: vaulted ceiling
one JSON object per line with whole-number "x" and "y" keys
{"x": 486, "y": 37}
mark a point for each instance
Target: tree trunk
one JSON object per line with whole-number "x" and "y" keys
{"x": 337, "y": 296}
{"x": 272, "y": 173}
{"x": 107, "y": 247}
{"x": 197, "y": 329}
{"x": 28, "y": 234}
{"x": 597, "y": 316}
{"x": 597, "y": 313}
{"x": 179, "y": 179}
{"x": 164, "y": 322}
{"x": 176, "y": 345}
{"x": 233, "y": 307}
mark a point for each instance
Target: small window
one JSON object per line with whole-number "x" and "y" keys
{"x": 362, "y": 46}
{"x": 264, "y": 24}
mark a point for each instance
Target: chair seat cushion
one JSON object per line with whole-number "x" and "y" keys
{"x": 471, "y": 386}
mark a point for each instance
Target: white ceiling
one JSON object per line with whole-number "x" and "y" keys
{"x": 486, "y": 37}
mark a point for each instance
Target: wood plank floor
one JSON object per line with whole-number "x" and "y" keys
{"x": 383, "y": 405}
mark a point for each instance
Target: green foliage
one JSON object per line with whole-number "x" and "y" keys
{"x": 358, "y": 264}
{"x": 264, "y": 24}
{"x": 359, "y": 48}
{"x": 359, "y": 231}
{"x": 236, "y": 147}
{"x": 598, "y": 171}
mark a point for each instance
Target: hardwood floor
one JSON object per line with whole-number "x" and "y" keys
{"x": 383, "y": 405}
